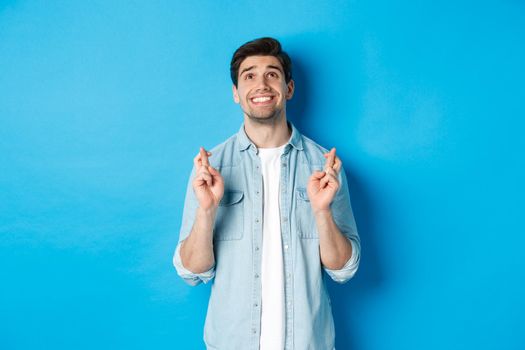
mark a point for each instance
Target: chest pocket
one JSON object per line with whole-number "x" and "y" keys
{"x": 229, "y": 222}
{"x": 304, "y": 217}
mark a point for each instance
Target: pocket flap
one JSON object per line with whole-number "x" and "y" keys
{"x": 302, "y": 194}
{"x": 231, "y": 197}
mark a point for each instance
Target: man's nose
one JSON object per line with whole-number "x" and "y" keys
{"x": 262, "y": 83}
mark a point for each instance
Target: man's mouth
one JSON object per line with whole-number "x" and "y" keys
{"x": 261, "y": 100}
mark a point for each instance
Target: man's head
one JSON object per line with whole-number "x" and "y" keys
{"x": 261, "y": 73}
{"x": 260, "y": 47}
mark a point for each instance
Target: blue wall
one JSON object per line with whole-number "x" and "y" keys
{"x": 104, "y": 104}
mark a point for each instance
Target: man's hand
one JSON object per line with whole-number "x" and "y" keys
{"x": 208, "y": 183}
{"x": 323, "y": 185}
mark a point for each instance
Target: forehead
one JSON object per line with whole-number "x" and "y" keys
{"x": 260, "y": 62}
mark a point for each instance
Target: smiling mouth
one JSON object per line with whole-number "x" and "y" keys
{"x": 261, "y": 100}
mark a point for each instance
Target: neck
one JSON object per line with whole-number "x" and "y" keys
{"x": 267, "y": 135}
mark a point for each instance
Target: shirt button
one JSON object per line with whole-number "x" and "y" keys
{"x": 256, "y": 248}
{"x": 256, "y": 220}
{"x": 284, "y": 165}
{"x": 254, "y": 330}
{"x": 257, "y": 192}
{"x": 255, "y": 305}
{"x": 256, "y": 275}
{"x": 286, "y": 246}
{"x": 285, "y": 219}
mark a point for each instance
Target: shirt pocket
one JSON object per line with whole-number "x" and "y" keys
{"x": 229, "y": 223}
{"x": 304, "y": 218}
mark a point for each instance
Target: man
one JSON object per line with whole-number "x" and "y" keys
{"x": 265, "y": 213}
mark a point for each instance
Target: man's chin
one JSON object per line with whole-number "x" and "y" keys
{"x": 262, "y": 120}
{"x": 263, "y": 117}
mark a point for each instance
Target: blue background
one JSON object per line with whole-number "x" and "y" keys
{"x": 103, "y": 105}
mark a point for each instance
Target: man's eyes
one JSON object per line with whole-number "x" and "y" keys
{"x": 251, "y": 76}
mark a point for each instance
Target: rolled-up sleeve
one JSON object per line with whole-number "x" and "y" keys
{"x": 189, "y": 277}
{"x": 188, "y": 218}
{"x": 348, "y": 271}
{"x": 344, "y": 219}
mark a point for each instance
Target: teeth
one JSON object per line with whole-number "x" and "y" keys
{"x": 261, "y": 99}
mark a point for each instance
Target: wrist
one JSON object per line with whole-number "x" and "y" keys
{"x": 322, "y": 212}
{"x": 208, "y": 212}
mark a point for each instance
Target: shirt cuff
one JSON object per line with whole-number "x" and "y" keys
{"x": 348, "y": 271}
{"x": 189, "y": 277}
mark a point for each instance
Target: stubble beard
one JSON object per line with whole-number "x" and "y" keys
{"x": 269, "y": 117}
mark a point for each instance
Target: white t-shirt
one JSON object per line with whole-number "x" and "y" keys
{"x": 272, "y": 274}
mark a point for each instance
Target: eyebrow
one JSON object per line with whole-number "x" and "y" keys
{"x": 268, "y": 66}
{"x": 246, "y": 69}
{"x": 275, "y": 67}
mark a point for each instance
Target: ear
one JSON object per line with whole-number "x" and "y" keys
{"x": 235, "y": 94}
{"x": 290, "y": 88}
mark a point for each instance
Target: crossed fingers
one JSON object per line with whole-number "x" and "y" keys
{"x": 333, "y": 163}
{"x": 201, "y": 158}
{"x": 202, "y": 165}
{"x": 332, "y": 168}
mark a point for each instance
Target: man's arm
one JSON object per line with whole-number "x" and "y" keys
{"x": 335, "y": 248}
{"x": 194, "y": 258}
{"x": 339, "y": 242}
{"x": 196, "y": 251}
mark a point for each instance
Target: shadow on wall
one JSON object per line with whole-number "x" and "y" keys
{"x": 297, "y": 109}
{"x": 346, "y": 298}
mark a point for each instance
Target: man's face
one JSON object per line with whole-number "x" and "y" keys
{"x": 261, "y": 89}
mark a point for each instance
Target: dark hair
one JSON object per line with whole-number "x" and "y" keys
{"x": 260, "y": 47}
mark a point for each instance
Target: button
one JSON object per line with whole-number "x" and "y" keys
{"x": 256, "y": 275}
{"x": 256, "y": 220}
{"x": 286, "y": 246}
{"x": 284, "y": 165}
{"x": 285, "y": 219}
{"x": 257, "y": 192}
{"x": 254, "y": 330}
{"x": 256, "y": 248}
{"x": 255, "y": 305}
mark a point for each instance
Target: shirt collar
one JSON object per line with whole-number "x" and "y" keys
{"x": 295, "y": 140}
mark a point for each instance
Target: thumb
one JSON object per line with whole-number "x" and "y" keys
{"x": 318, "y": 174}
{"x": 213, "y": 171}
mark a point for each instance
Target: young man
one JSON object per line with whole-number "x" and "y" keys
{"x": 265, "y": 213}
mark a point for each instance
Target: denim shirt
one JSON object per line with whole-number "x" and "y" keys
{"x": 234, "y": 311}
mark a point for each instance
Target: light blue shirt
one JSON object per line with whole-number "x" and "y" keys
{"x": 234, "y": 311}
